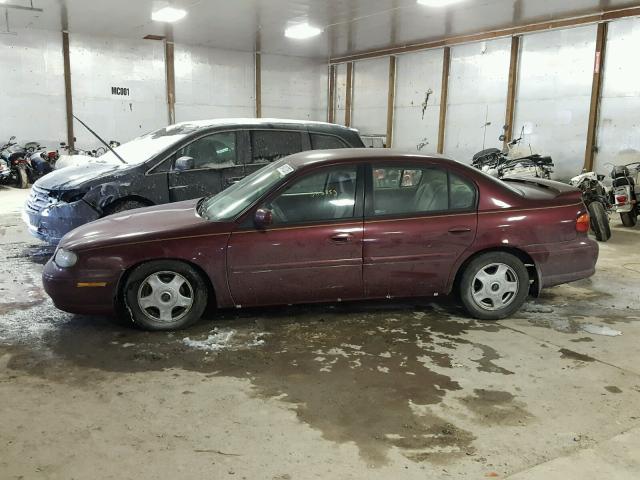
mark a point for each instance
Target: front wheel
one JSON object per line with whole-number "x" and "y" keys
{"x": 165, "y": 295}
{"x": 599, "y": 221}
{"x": 494, "y": 286}
{"x": 22, "y": 179}
{"x": 629, "y": 219}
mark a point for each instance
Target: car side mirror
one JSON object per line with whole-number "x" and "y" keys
{"x": 263, "y": 218}
{"x": 502, "y": 138}
{"x": 185, "y": 163}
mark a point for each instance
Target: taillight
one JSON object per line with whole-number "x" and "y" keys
{"x": 583, "y": 223}
{"x": 621, "y": 199}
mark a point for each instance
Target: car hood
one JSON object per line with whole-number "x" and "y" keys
{"x": 161, "y": 222}
{"x": 77, "y": 177}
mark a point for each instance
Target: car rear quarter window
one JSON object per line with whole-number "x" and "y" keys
{"x": 411, "y": 190}
{"x": 270, "y": 145}
{"x": 326, "y": 142}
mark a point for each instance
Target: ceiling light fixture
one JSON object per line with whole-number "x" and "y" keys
{"x": 438, "y": 3}
{"x": 302, "y": 31}
{"x": 168, "y": 15}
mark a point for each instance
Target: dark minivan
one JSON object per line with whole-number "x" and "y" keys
{"x": 180, "y": 162}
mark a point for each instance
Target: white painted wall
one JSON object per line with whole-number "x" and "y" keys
{"x": 32, "y": 87}
{"x": 417, "y": 74}
{"x": 478, "y": 82}
{"x": 370, "y": 95}
{"x": 99, "y": 63}
{"x": 341, "y": 93}
{"x": 213, "y": 83}
{"x": 554, "y": 94}
{"x": 618, "y": 137}
{"x": 294, "y": 87}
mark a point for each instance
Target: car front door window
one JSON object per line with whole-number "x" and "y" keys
{"x": 327, "y": 195}
{"x": 213, "y": 151}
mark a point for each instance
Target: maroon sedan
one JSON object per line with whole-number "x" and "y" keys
{"x": 330, "y": 226}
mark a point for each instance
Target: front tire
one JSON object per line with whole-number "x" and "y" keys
{"x": 123, "y": 206}
{"x": 165, "y": 295}
{"x": 599, "y": 221}
{"x": 629, "y": 219}
{"x": 22, "y": 179}
{"x": 494, "y": 286}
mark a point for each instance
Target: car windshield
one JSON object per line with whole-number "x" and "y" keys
{"x": 148, "y": 146}
{"x": 229, "y": 203}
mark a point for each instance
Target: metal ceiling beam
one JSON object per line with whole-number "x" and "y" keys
{"x": 604, "y": 16}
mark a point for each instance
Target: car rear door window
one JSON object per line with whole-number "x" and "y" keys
{"x": 212, "y": 151}
{"x": 270, "y": 145}
{"x": 326, "y": 142}
{"x": 411, "y": 190}
{"x": 327, "y": 195}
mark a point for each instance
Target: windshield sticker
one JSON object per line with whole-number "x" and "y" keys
{"x": 285, "y": 170}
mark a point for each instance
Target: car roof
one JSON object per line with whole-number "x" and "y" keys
{"x": 304, "y": 159}
{"x": 226, "y": 122}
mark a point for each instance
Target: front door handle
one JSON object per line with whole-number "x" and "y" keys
{"x": 342, "y": 238}
{"x": 459, "y": 230}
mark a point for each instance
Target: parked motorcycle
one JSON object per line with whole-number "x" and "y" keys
{"x": 506, "y": 163}
{"x": 18, "y": 163}
{"x": 624, "y": 192}
{"x": 596, "y": 198}
{"x": 77, "y": 157}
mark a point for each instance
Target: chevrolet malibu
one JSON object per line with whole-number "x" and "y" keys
{"x": 330, "y": 226}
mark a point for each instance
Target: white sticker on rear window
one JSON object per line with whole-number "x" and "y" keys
{"x": 285, "y": 170}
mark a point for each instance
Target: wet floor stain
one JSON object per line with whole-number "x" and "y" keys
{"x": 612, "y": 389}
{"x": 571, "y": 355}
{"x": 582, "y": 340}
{"x": 354, "y": 372}
{"x": 494, "y": 407}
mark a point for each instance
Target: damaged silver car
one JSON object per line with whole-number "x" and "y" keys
{"x": 179, "y": 162}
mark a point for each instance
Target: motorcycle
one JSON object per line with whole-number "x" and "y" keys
{"x": 16, "y": 160}
{"x": 624, "y": 192}
{"x": 41, "y": 161}
{"x": 507, "y": 163}
{"x": 78, "y": 157}
{"x": 596, "y": 198}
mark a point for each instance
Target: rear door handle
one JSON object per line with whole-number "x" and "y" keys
{"x": 341, "y": 238}
{"x": 459, "y": 230}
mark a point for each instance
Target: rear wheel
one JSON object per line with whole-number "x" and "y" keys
{"x": 22, "y": 179}
{"x": 629, "y": 219}
{"x": 494, "y": 286}
{"x": 599, "y": 221}
{"x": 165, "y": 295}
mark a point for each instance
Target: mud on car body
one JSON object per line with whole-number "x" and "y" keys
{"x": 180, "y": 162}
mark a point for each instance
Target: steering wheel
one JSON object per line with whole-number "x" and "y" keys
{"x": 278, "y": 213}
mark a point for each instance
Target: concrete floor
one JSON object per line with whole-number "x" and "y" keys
{"x": 370, "y": 390}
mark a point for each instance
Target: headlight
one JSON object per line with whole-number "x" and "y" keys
{"x": 64, "y": 258}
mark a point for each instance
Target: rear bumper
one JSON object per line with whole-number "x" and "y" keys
{"x": 565, "y": 262}
{"x": 97, "y": 296}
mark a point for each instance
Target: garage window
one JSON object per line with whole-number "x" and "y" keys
{"x": 411, "y": 190}
{"x": 270, "y": 145}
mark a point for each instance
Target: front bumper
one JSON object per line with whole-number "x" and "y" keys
{"x": 54, "y": 220}
{"x": 566, "y": 262}
{"x": 87, "y": 293}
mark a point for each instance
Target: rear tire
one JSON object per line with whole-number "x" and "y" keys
{"x": 22, "y": 179}
{"x": 629, "y": 219}
{"x": 494, "y": 286}
{"x": 165, "y": 295}
{"x": 599, "y": 221}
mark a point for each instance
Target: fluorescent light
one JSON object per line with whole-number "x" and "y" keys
{"x": 168, "y": 14}
{"x": 438, "y": 3}
{"x": 302, "y": 31}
